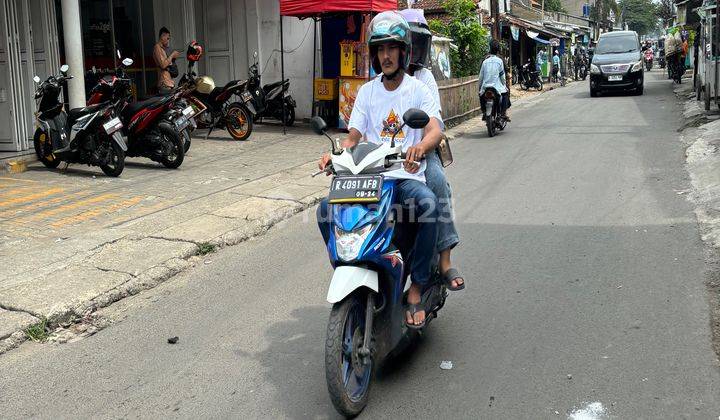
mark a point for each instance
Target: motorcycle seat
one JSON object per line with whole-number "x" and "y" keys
{"x": 76, "y": 113}
{"x": 267, "y": 88}
{"x": 231, "y": 84}
{"x": 135, "y": 107}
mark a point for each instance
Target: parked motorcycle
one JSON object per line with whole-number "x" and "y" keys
{"x": 148, "y": 124}
{"x": 494, "y": 120}
{"x": 228, "y": 107}
{"x": 583, "y": 70}
{"x": 268, "y": 99}
{"x": 370, "y": 251}
{"x": 530, "y": 78}
{"x": 661, "y": 58}
{"x": 90, "y": 135}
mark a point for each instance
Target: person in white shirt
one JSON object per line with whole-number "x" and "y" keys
{"x": 376, "y": 115}
{"x": 434, "y": 173}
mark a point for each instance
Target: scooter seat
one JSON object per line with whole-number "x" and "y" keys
{"x": 76, "y": 113}
{"x": 267, "y": 88}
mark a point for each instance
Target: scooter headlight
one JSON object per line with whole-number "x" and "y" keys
{"x": 637, "y": 66}
{"x": 594, "y": 69}
{"x": 348, "y": 244}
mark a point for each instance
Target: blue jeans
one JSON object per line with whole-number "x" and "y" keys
{"x": 410, "y": 194}
{"x": 436, "y": 180}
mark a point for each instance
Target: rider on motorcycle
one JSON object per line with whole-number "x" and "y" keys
{"x": 493, "y": 74}
{"x": 434, "y": 173}
{"x": 376, "y": 116}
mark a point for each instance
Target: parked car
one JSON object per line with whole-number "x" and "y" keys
{"x": 617, "y": 64}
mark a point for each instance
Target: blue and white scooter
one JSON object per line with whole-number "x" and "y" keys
{"x": 370, "y": 256}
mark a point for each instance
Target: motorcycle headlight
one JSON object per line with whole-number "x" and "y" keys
{"x": 594, "y": 69}
{"x": 637, "y": 66}
{"x": 348, "y": 244}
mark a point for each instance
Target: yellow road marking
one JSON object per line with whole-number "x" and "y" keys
{"x": 94, "y": 212}
{"x": 18, "y": 180}
{"x": 67, "y": 207}
{"x": 31, "y": 197}
{"x": 39, "y": 205}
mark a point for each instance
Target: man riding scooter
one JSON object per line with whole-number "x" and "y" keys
{"x": 376, "y": 116}
{"x": 493, "y": 74}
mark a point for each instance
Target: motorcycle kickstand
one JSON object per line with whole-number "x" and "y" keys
{"x": 364, "y": 351}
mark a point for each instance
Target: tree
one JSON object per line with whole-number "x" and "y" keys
{"x": 600, "y": 12}
{"x": 665, "y": 11}
{"x": 640, "y": 15}
{"x": 467, "y": 34}
{"x": 554, "y": 6}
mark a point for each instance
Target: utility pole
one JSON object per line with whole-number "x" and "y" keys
{"x": 495, "y": 14}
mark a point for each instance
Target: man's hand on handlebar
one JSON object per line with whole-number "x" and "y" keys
{"x": 412, "y": 158}
{"x": 324, "y": 162}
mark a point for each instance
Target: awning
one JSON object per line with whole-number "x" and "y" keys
{"x": 308, "y": 8}
{"x": 532, "y": 27}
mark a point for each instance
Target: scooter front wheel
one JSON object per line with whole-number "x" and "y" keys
{"x": 348, "y": 374}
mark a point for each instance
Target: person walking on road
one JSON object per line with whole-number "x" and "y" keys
{"x": 556, "y": 66}
{"x": 164, "y": 58}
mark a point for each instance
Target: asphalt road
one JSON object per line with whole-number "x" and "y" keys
{"x": 586, "y": 285}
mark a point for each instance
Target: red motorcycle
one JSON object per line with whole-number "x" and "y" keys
{"x": 649, "y": 56}
{"x": 148, "y": 125}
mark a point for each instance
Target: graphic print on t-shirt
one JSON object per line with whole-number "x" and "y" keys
{"x": 390, "y": 125}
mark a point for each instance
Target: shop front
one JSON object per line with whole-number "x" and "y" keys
{"x": 230, "y": 31}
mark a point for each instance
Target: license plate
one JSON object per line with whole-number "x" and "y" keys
{"x": 113, "y": 125}
{"x": 246, "y": 96}
{"x": 615, "y": 78}
{"x": 355, "y": 189}
{"x": 181, "y": 122}
{"x": 188, "y": 111}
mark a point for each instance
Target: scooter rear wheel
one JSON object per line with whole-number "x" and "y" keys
{"x": 348, "y": 379}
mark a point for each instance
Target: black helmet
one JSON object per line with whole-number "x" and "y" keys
{"x": 421, "y": 37}
{"x": 389, "y": 27}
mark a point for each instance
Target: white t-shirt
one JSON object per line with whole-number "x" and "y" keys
{"x": 378, "y": 112}
{"x": 424, "y": 75}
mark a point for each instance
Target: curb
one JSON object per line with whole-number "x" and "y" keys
{"x": 155, "y": 275}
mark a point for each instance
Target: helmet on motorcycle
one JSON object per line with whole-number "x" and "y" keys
{"x": 194, "y": 52}
{"x": 420, "y": 36}
{"x": 385, "y": 28}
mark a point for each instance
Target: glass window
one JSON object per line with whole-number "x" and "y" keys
{"x": 617, "y": 44}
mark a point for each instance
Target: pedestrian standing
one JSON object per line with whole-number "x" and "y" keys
{"x": 556, "y": 65}
{"x": 165, "y": 60}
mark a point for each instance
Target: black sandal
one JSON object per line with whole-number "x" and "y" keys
{"x": 449, "y": 276}
{"x": 414, "y": 308}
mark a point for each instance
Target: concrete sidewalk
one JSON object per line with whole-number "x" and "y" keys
{"x": 74, "y": 240}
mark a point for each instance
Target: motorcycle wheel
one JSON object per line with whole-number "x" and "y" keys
{"x": 238, "y": 121}
{"x": 524, "y": 86}
{"x": 186, "y": 140}
{"x": 43, "y": 149}
{"x": 289, "y": 115}
{"x": 706, "y": 97}
{"x": 116, "y": 163}
{"x": 175, "y": 158}
{"x": 540, "y": 85}
{"x": 490, "y": 122}
{"x": 348, "y": 379}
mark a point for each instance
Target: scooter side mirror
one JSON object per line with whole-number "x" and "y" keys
{"x": 255, "y": 54}
{"x": 416, "y": 118}
{"x": 127, "y": 62}
{"x": 36, "y": 79}
{"x": 118, "y": 53}
{"x": 318, "y": 125}
{"x": 64, "y": 69}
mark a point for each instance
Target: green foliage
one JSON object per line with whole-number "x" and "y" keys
{"x": 205, "y": 248}
{"x": 640, "y": 15}
{"x": 467, "y": 34}
{"x": 600, "y": 12}
{"x": 554, "y": 6}
{"x": 665, "y": 11}
{"x": 38, "y": 332}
